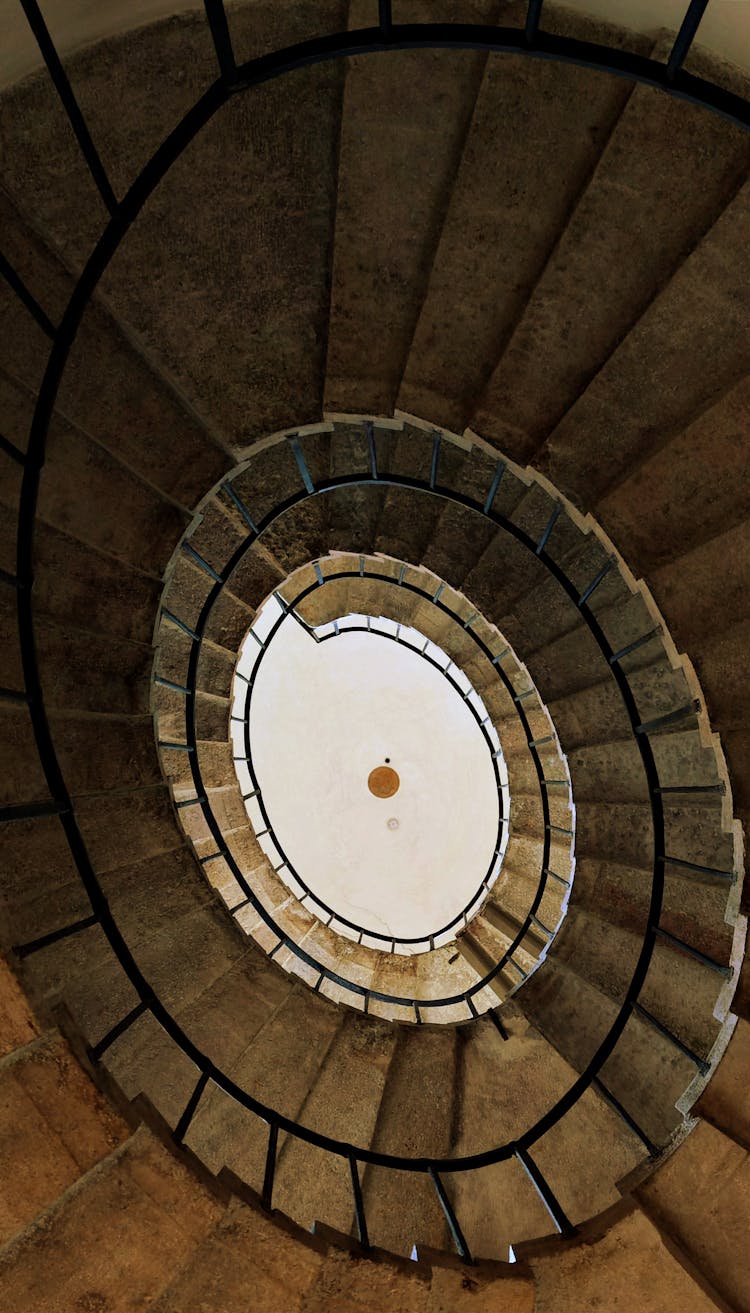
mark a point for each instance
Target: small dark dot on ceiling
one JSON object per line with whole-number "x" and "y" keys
{"x": 387, "y": 760}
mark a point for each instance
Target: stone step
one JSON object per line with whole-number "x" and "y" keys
{"x": 342, "y": 1102}
{"x": 695, "y": 911}
{"x": 18, "y": 1026}
{"x": 79, "y": 586}
{"x": 221, "y": 1020}
{"x": 409, "y": 519}
{"x": 110, "y": 389}
{"x": 506, "y": 1087}
{"x": 700, "y": 1199}
{"x": 532, "y": 388}
{"x": 699, "y": 296}
{"x": 497, "y": 188}
{"x": 647, "y": 1072}
{"x": 189, "y": 277}
{"x": 408, "y": 157}
{"x": 54, "y": 1127}
{"x": 682, "y": 991}
{"x": 723, "y": 1102}
{"x": 58, "y": 1261}
{"x": 667, "y": 536}
{"x": 278, "y": 1066}
{"x": 247, "y": 1251}
{"x": 415, "y": 1119}
{"x": 634, "y": 1256}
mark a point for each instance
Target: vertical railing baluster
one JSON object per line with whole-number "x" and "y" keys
{"x": 545, "y": 1192}
{"x": 217, "y": 21}
{"x": 70, "y": 104}
{"x": 18, "y": 286}
{"x": 533, "y": 15}
{"x": 684, "y": 39}
{"x": 270, "y": 1172}
{"x": 359, "y": 1206}
{"x": 459, "y": 1238}
{"x": 183, "y": 1124}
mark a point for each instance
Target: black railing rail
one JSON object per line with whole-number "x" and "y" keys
{"x": 534, "y": 42}
{"x": 493, "y": 745}
{"x": 222, "y": 848}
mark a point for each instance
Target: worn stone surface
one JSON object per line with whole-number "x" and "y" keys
{"x": 700, "y": 1197}
{"x": 724, "y": 1101}
{"x": 343, "y": 1102}
{"x": 689, "y": 490}
{"x": 69, "y": 1259}
{"x": 632, "y": 1266}
{"x": 507, "y": 206}
{"x": 415, "y": 1118}
{"x": 22, "y": 779}
{"x": 278, "y": 1066}
{"x": 78, "y": 585}
{"x": 247, "y": 1252}
{"x": 689, "y": 347}
{"x": 55, "y": 1126}
{"x": 17, "y": 1023}
{"x": 222, "y": 296}
{"x": 626, "y": 235}
{"x": 395, "y": 172}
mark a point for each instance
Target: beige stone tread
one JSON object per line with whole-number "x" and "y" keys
{"x": 415, "y": 1119}
{"x": 633, "y": 1265}
{"x": 54, "y": 1126}
{"x": 724, "y": 1100}
{"x": 144, "y": 421}
{"x": 18, "y": 1026}
{"x": 247, "y": 1256}
{"x": 71, "y": 1252}
{"x": 709, "y": 354}
{"x": 398, "y": 165}
{"x": 557, "y": 345}
{"x": 342, "y": 1102}
{"x": 575, "y": 1016}
{"x": 299, "y": 246}
{"x": 505, "y": 215}
{"x": 700, "y": 1197}
{"x": 278, "y": 1066}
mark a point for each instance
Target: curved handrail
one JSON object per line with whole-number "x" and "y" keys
{"x": 669, "y": 77}
{"x": 503, "y": 820}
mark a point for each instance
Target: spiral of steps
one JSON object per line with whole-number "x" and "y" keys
{"x": 451, "y": 340}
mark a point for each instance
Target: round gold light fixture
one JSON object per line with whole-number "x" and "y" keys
{"x": 383, "y": 782}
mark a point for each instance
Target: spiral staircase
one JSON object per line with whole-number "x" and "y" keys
{"x": 409, "y": 332}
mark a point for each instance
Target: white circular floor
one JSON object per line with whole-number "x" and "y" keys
{"x": 323, "y": 717}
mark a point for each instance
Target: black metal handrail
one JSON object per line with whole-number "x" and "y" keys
{"x": 222, "y": 849}
{"x": 670, "y": 77}
{"x": 503, "y": 820}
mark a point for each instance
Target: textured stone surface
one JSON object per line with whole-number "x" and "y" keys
{"x": 396, "y": 168}
{"x": 724, "y": 1101}
{"x": 247, "y": 1252}
{"x": 632, "y": 1266}
{"x": 55, "y": 1126}
{"x": 507, "y": 206}
{"x": 72, "y": 1257}
{"x": 700, "y": 1197}
{"x": 626, "y": 235}
{"x": 689, "y": 347}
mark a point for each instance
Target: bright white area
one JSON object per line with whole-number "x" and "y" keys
{"x": 322, "y": 717}
{"x": 724, "y": 28}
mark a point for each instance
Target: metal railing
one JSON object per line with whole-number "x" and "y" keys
{"x": 222, "y": 849}
{"x": 233, "y": 78}
{"x": 387, "y": 942}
